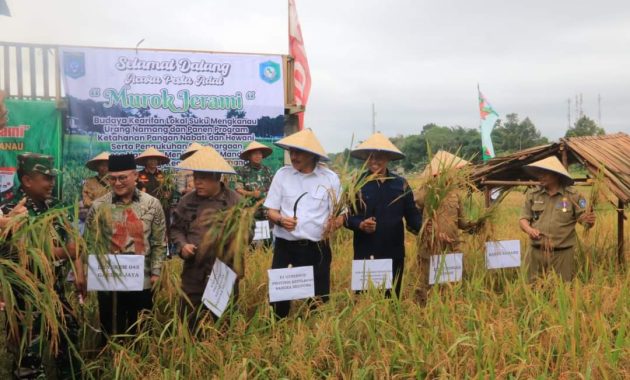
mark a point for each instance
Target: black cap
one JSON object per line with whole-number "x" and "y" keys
{"x": 121, "y": 162}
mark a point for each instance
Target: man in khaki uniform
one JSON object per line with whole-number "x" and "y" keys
{"x": 97, "y": 186}
{"x": 549, "y": 216}
{"x": 440, "y": 233}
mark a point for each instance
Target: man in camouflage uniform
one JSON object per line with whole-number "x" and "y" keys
{"x": 254, "y": 178}
{"x": 37, "y": 178}
{"x": 127, "y": 221}
{"x": 549, "y": 216}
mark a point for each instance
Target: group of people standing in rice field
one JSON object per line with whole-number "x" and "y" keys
{"x": 126, "y": 211}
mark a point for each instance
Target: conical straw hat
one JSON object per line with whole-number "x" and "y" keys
{"x": 378, "y": 142}
{"x": 303, "y": 140}
{"x": 443, "y": 161}
{"x": 192, "y": 148}
{"x": 92, "y": 163}
{"x": 208, "y": 160}
{"x": 255, "y": 145}
{"x": 551, "y": 164}
{"x": 151, "y": 152}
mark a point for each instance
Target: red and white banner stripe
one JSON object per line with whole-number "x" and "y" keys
{"x": 301, "y": 72}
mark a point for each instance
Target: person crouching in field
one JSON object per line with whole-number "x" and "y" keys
{"x": 126, "y": 221}
{"x": 300, "y": 204}
{"x": 549, "y": 215}
{"x": 191, "y": 222}
{"x": 441, "y": 201}
{"x": 384, "y": 201}
{"x": 34, "y": 202}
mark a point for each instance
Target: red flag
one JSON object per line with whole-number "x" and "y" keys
{"x": 301, "y": 72}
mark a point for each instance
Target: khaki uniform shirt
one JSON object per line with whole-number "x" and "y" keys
{"x": 189, "y": 226}
{"x": 554, "y": 215}
{"x": 93, "y": 188}
{"x": 448, "y": 219}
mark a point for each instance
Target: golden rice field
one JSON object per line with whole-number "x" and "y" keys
{"x": 492, "y": 325}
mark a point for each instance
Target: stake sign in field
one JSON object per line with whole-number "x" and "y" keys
{"x": 291, "y": 283}
{"x": 377, "y": 272}
{"x": 503, "y": 254}
{"x": 115, "y": 273}
{"x": 219, "y": 289}
{"x": 446, "y": 268}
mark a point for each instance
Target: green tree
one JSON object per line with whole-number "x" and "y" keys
{"x": 513, "y": 134}
{"x": 585, "y": 127}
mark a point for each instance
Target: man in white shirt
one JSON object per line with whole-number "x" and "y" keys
{"x": 300, "y": 203}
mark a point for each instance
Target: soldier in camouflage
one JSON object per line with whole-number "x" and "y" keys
{"x": 254, "y": 178}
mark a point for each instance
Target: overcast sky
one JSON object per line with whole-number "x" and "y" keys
{"x": 418, "y": 61}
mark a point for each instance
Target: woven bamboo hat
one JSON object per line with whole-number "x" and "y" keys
{"x": 551, "y": 164}
{"x": 192, "y": 148}
{"x": 151, "y": 152}
{"x": 443, "y": 161}
{"x": 378, "y": 142}
{"x": 208, "y": 160}
{"x": 254, "y": 145}
{"x": 93, "y": 163}
{"x": 303, "y": 140}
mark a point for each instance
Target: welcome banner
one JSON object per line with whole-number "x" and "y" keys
{"x": 124, "y": 101}
{"x": 33, "y": 126}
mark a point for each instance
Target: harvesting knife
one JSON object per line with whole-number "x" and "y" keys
{"x": 296, "y": 204}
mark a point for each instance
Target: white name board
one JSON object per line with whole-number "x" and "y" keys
{"x": 262, "y": 230}
{"x": 503, "y": 254}
{"x": 219, "y": 289}
{"x": 446, "y": 268}
{"x": 115, "y": 273}
{"x": 291, "y": 283}
{"x": 378, "y": 272}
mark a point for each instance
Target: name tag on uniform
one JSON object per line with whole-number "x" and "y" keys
{"x": 446, "y": 268}
{"x": 378, "y": 273}
{"x": 115, "y": 273}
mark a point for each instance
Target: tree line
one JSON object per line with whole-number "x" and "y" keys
{"x": 509, "y": 135}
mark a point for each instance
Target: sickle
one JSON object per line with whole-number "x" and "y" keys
{"x": 296, "y": 204}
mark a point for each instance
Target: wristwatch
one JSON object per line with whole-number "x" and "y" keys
{"x": 278, "y": 222}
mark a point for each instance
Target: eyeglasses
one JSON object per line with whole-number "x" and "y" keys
{"x": 120, "y": 178}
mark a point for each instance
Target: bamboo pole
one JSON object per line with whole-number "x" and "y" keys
{"x": 620, "y": 238}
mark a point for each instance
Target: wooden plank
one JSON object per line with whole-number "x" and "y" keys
{"x": 18, "y": 68}
{"x": 7, "y": 68}
{"x": 46, "y": 72}
{"x": 32, "y": 70}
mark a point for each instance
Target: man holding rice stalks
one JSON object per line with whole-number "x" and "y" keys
{"x": 42, "y": 240}
{"x": 549, "y": 216}
{"x": 384, "y": 201}
{"x": 193, "y": 219}
{"x": 126, "y": 221}
{"x": 444, "y": 178}
{"x": 301, "y": 203}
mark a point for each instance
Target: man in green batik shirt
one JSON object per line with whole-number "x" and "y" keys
{"x": 254, "y": 178}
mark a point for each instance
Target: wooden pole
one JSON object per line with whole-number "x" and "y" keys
{"x": 114, "y": 313}
{"x": 620, "y": 238}
{"x": 486, "y": 193}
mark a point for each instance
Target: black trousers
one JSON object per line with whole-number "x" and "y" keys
{"x": 299, "y": 254}
{"x": 130, "y": 304}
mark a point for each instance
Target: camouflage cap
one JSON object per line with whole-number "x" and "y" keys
{"x": 36, "y": 163}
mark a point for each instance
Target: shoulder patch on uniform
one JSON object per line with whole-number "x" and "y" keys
{"x": 582, "y": 203}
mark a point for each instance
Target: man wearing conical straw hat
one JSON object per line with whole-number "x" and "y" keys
{"x": 549, "y": 216}
{"x": 254, "y": 178}
{"x": 301, "y": 203}
{"x": 439, "y": 198}
{"x": 151, "y": 179}
{"x": 189, "y": 226}
{"x": 384, "y": 201}
{"x": 184, "y": 178}
{"x": 96, "y": 186}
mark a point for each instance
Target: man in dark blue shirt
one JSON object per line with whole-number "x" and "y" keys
{"x": 377, "y": 219}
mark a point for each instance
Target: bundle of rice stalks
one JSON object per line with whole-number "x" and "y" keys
{"x": 30, "y": 276}
{"x": 229, "y": 235}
